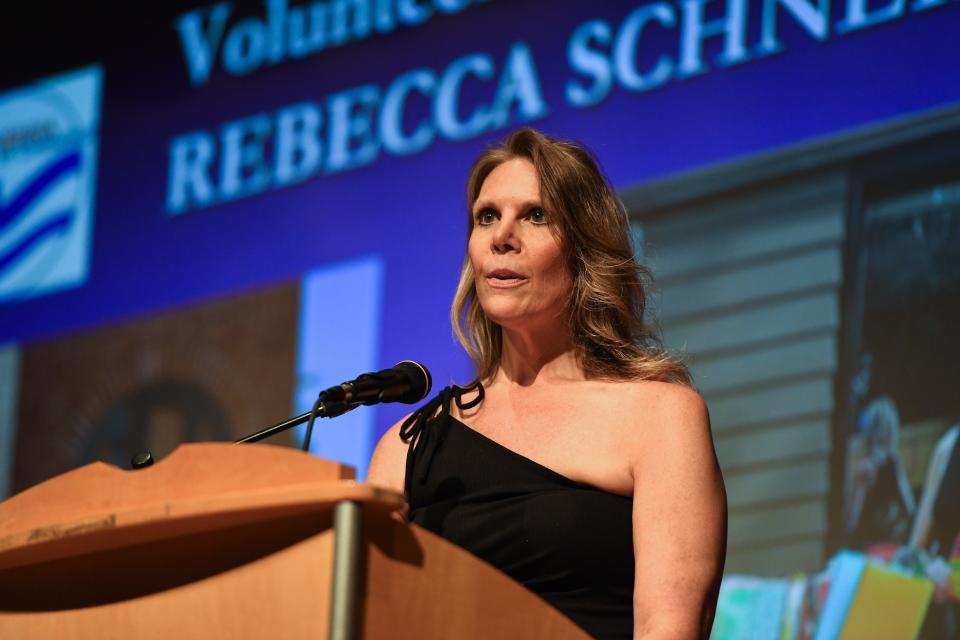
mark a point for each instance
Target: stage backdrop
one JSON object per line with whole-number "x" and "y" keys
{"x": 211, "y": 211}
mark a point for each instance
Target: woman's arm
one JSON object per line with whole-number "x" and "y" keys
{"x": 388, "y": 463}
{"x": 679, "y": 518}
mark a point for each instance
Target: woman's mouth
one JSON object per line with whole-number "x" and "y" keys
{"x": 505, "y": 278}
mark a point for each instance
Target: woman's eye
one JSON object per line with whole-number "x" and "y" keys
{"x": 487, "y": 216}
{"x": 538, "y": 216}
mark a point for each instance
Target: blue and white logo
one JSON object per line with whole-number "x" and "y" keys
{"x": 48, "y": 160}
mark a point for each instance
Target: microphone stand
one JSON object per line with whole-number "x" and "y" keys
{"x": 323, "y": 410}
{"x": 277, "y": 428}
{"x": 347, "y": 519}
{"x": 347, "y": 515}
{"x": 331, "y": 403}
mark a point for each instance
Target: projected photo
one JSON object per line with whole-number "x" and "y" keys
{"x": 903, "y": 462}
{"x": 214, "y": 371}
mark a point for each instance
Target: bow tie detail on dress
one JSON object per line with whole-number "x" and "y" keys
{"x": 425, "y": 429}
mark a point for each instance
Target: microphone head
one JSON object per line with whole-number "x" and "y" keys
{"x": 419, "y": 378}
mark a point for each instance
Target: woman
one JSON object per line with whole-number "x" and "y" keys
{"x": 880, "y": 505}
{"x": 580, "y": 461}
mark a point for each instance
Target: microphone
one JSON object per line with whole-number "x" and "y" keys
{"x": 408, "y": 382}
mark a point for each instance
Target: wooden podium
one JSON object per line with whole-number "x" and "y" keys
{"x": 243, "y": 541}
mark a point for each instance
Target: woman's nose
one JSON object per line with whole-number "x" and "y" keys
{"x": 505, "y": 236}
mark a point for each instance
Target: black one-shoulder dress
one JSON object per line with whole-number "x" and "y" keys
{"x": 568, "y": 542}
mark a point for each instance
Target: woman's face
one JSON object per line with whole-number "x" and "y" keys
{"x": 521, "y": 277}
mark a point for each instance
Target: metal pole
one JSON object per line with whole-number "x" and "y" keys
{"x": 344, "y": 597}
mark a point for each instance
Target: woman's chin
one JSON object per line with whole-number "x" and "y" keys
{"x": 507, "y": 318}
{"x": 506, "y": 321}
{"x": 516, "y": 319}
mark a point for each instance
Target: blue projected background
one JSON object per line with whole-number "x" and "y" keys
{"x": 234, "y": 205}
{"x": 576, "y": 71}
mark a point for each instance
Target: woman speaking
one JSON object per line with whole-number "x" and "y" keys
{"x": 580, "y": 460}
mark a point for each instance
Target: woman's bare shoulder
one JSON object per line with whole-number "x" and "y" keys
{"x": 388, "y": 463}
{"x": 640, "y": 398}
{"x": 649, "y": 410}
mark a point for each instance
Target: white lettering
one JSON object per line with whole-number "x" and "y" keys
{"x": 625, "y": 49}
{"x": 411, "y": 13}
{"x": 342, "y": 29}
{"x": 446, "y": 106}
{"x": 450, "y": 6}
{"x": 860, "y": 17}
{"x": 276, "y": 19}
{"x": 383, "y": 16}
{"x": 391, "y": 115}
{"x": 243, "y": 51}
{"x": 923, "y": 5}
{"x": 300, "y": 140}
{"x": 518, "y": 84}
{"x": 307, "y": 35}
{"x": 242, "y": 169}
{"x": 293, "y": 31}
{"x": 352, "y": 143}
{"x": 732, "y": 28}
{"x": 298, "y": 149}
{"x": 200, "y": 45}
{"x": 591, "y": 63}
{"x": 813, "y": 19}
{"x": 189, "y": 182}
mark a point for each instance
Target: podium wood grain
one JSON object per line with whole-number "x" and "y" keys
{"x": 226, "y": 541}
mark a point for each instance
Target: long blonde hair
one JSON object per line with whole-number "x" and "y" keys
{"x": 605, "y": 312}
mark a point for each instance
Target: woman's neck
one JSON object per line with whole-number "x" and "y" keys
{"x": 531, "y": 356}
